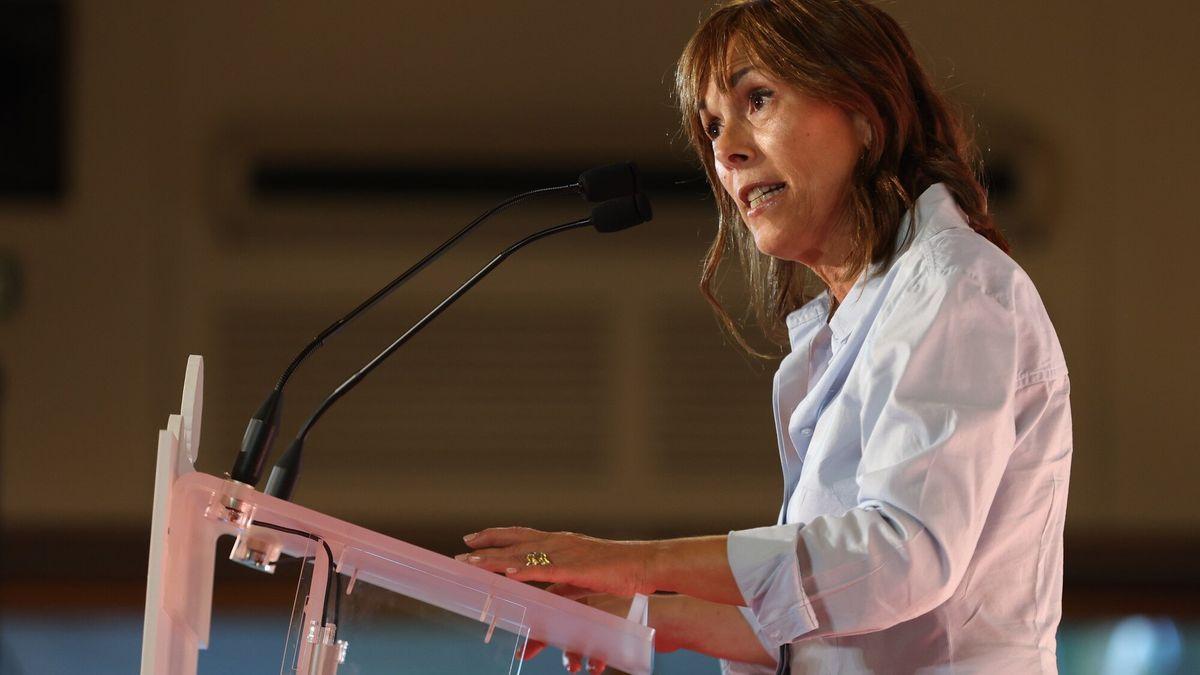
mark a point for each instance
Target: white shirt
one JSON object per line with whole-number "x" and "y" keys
{"x": 925, "y": 437}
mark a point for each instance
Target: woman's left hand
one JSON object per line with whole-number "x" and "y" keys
{"x": 618, "y": 567}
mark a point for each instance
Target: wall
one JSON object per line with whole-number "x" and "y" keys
{"x": 159, "y": 251}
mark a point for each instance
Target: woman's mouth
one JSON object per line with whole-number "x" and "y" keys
{"x": 764, "y": 196}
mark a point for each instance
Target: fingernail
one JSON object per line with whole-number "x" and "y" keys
{"x": 511, "y": 570}
{"x": 471, "y": 536}
{"x": 460, "y": 557}
{"x": 474, "y": 558}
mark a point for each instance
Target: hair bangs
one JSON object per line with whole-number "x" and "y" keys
{"x": 705, "y": 57}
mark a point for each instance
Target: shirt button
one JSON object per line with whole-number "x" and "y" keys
{"x": 806, "y": 431}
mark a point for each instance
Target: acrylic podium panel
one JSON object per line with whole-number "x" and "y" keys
{"x": 384, "y": 584}
{"x": 387, "y": 632}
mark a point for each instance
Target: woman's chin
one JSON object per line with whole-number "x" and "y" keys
{"x": 770, "y": 242}
{"x": 783, "y": 243}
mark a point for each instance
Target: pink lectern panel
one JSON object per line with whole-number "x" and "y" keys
{"x": 192, "y": 510}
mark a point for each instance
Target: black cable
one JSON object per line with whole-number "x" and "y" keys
{"x": 332, "y": 584}
{"x": 337, "y": 596}
{"x": 605, "y": 184}
{"x": 366, "y": 370}
{"x": 407, "y": 274}
{"x": 613, "y": 215}
{"x": 260, "y": 431}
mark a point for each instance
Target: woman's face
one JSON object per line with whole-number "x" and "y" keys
{"x": 786, "y": 159}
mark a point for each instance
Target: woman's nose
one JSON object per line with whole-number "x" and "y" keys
{"x": 733, "y": 148}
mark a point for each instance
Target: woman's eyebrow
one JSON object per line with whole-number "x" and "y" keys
{"x": 738, "y": 75}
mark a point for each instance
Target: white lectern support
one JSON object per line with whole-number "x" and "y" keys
{"x": 192, "y": 510}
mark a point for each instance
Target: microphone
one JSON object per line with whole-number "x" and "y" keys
{"x": 613, "y": 215}
{"x": 598, "y": 184}
{"x": 604, "y": 183}
{"x": 619, "y": 214}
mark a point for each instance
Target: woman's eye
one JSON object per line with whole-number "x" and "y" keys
{"x": 759, "y": 98}
{"x": 713, "y": 129}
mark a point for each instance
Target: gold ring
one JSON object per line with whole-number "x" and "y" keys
{"x": 537, "y": 559}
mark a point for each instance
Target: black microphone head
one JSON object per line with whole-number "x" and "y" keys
{"x": 606, "y": 182}
{"x": 618, "y": 214}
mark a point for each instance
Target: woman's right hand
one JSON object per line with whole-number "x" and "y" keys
{"x": 612, "y": 604}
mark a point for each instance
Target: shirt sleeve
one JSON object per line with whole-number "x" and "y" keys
{"x": 937, "y": 379}
{"x": 729, "y": 667}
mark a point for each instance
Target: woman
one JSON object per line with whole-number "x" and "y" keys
{"x": 922, "y": 411}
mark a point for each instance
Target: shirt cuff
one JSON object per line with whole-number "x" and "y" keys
{"x": 767, "y": 570}
{"x": 768, "y": 645}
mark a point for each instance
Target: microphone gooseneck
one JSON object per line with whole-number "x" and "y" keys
{"x": 610, "y": 216}
{"x": 596, "y": 184}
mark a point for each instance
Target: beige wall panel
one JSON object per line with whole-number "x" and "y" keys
{"x": 170, "y": 102}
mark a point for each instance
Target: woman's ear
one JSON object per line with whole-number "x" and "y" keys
{"x": 863, "y": 129}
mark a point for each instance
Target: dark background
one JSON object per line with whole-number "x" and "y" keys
{"x": 224, "y": 178}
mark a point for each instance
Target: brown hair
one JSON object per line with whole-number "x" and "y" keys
{"x": 854, "y": 55}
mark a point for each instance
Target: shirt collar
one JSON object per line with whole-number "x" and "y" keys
{"x": 935, "y": 210}
{"x": 856, "y": 303}
{"x": 817, "y": 308}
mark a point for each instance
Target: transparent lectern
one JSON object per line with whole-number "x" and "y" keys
{"x": 193, "y": 510}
